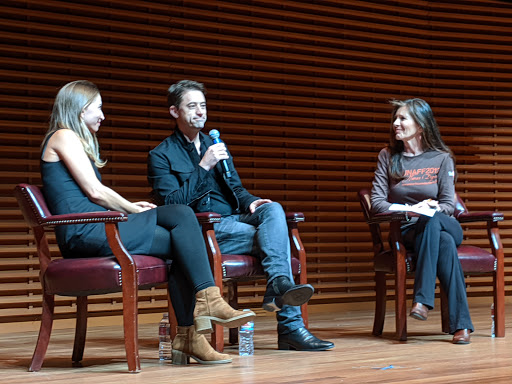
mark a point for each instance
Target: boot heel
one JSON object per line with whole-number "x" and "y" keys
{"x": 284, "y": 346}
{"x": 180, "y": 358}
{"x": 203, "y": 325}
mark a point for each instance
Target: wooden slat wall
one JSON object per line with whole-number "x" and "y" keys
{"x": 121, "y": 46}
{"x": 298, "y": 90}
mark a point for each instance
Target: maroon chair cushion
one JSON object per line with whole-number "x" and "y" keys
{"x": 476, "y": 260}
{"x": 472, "y": 259}
{"x": 240, "y": 266}
{"x": 99, "y": 275}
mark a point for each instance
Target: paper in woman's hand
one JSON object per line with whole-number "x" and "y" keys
{"x": 427, "y": 211}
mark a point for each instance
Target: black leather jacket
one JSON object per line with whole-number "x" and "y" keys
{"x": 177, "y": 180}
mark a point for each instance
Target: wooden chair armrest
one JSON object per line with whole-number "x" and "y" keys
{"x": 480, "y": 216}
{"x": 388, "y": 217}
{"x": 294, "y": 217}
{"x": 208, "y": 218}
{"x": 84, "y": 218}
{"x": 212, "y": 217}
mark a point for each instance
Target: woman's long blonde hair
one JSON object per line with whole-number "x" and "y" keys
{"x": 69, "y": 103}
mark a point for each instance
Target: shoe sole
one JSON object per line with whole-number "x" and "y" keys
{"x": 295, "y": 296}
{"x": 180, "y": 358}
{"x": 288, "y": 347}
{"x": 417, "y": 316}
{"x": 203, "y": 324}
{"x": 298, "y": 295}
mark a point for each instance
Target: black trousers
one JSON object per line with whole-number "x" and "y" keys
{"x": 178, "y": 238}
{"x": 435, "y": 241}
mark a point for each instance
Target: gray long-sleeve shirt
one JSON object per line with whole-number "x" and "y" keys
{"x": 430, "y": 175}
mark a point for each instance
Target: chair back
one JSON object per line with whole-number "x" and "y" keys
{"x": 36, "y": 213}
{"x": 460, "y": 207}
{"x": 366, "y": 206}
{"x": 32, "y": 204}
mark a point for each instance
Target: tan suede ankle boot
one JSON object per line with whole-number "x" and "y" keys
{"x": 189, "y": 344}
{"x": 212, "y": 308}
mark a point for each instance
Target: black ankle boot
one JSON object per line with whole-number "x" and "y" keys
{"x": 281, "y": 291}
{"x": 302, "y": 340}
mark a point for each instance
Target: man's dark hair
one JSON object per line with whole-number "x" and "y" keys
{"x": 176, "y": 91}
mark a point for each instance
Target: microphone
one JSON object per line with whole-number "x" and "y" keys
{"x": 214, "y": 135}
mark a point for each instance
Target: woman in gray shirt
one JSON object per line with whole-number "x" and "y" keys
{"x": 417, "y": 168}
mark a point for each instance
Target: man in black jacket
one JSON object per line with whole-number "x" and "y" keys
{"x": 189, "y": 168}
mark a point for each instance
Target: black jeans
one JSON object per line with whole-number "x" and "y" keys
{"x": 435, "y": 241}
{"x": 178, "y": 238}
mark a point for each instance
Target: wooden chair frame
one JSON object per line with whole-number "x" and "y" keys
{"x": 39, "y": 218}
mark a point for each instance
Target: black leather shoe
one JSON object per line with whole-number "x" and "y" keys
{"x": 281, "y": 291}
{"x": 302, "y": 340}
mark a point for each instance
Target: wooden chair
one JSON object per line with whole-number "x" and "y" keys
{"x": 232, "y": 269}
{"x": 82, "y": 277}
{"x": 396, "y": 260}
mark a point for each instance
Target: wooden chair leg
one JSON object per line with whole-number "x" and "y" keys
{"x": 233, "y": 301}
{"x": 44, "y": 333}
{"x": 380, "y": 303}
{"x": 498, "y": 279}
{"x": 445, "y": 313}
{"x": 173, "y": 323}
{"x": 499, "y": 305}
{"x": 80, "y": 330}
{"x": 401, "y": 305}
{"x": 130, "y": 324}
{"x": 217, "y": 341}
{"x": 399, "y": 253}
{"x": 130, "y": 297}
{"x": 305, "y": 316}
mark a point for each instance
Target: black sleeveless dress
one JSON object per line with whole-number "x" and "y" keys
{"x": 63, "y": 195}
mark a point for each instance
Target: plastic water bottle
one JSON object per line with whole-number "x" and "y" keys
{"x": 246, "y": 338}
{"x": 164, "y": 339}
{"x": 493, "y": 333}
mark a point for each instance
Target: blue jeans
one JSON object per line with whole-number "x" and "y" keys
{"x": 263, "y": 234}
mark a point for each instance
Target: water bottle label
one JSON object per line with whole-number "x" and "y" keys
{"x": 165, "y": 350}
{"x": 247, "y": 327}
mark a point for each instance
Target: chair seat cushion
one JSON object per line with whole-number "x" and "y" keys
{"x": 99, "y": 275}
{"x": 245, "y": 266}
{"x": 476, "y": 260}
{"x": 473, "y": 260}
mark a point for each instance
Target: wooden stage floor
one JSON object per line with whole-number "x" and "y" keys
{"x": 427, "y": 357}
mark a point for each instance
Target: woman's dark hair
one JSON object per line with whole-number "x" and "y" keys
{"x": 423, "y": 116}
